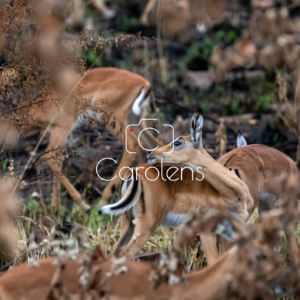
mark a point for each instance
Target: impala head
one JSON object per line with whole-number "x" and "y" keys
{"x": 183, "y": 148}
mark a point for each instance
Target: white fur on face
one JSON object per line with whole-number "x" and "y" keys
{"x": 151, "y": 160}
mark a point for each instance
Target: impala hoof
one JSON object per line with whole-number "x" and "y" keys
{"x": 86, "y": 208}
{"x": 102, "y": 203}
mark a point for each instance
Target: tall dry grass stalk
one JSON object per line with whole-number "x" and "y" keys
{"x": 162, "y": 60}
{"x": 8, "y": 220}
{"x": 221, "y": 138}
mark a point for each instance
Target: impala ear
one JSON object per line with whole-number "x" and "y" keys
{"x": 196, "y": 127}
{"x": 240, "y": 142}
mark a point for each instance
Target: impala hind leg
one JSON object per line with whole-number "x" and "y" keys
{"x": 57, "y": 141}
{"x": 292, "y": 248}
{"x": 140, "y": 237}
{"x": 146, "y": 224}
{"x": 127, "y": 229}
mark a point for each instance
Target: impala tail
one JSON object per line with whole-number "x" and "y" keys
{"x": 131, "y": 191}
{"x": 140, "y": 111}
{"x": 142, "y": 100}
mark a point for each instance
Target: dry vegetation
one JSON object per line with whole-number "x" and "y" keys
{"x": 244, "y": 78}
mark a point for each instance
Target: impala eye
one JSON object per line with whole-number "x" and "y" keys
{"x": 177, "y": 143}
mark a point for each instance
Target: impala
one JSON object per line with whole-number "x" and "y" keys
{"x": 127, "y": 94}
{"x": 154, "y": 199}
{"x": 265, "y": 170}
{"x": 242, "y": 272}
{"x": 177, "y": 18}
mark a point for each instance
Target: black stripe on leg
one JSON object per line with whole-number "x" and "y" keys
{"x": 128, "y": 235}
{"x": 113, "y": 188}
{"x": 131, "y": 195}
{"x": 143, "y": 200}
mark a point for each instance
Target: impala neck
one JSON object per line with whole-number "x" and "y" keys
{"x": 203, "y": 283}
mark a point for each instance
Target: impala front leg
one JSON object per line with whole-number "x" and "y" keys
{"x": 57, "y": 140}
{"x": 209, "y": 245}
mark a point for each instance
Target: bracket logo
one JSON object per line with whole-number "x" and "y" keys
{"x": 147, "y": 128}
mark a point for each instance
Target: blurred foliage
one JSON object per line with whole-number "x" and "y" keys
{"x": 129, "y": 22}
{"x": 34, "y": 208}
{"x": 92, "y": 59}
{"x": 199, "y": 53}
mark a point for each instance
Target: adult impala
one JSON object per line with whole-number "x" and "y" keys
{"x": 267, "y": 172}
{"x": 263, "y": 169}
{"x": 126, "y": 95}
{"x": 177, "y": 18}
{"x": 154, "y": 199}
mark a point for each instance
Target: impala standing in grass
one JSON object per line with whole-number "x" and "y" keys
{"x": 154, "y": 195}
{"x": 115, "y": 95}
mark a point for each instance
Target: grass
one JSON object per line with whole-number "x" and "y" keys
{"x": 105, "y": 230}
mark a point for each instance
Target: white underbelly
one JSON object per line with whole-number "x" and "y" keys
{"x": 174, "y": 220}
{"x": 267, "y": 202}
